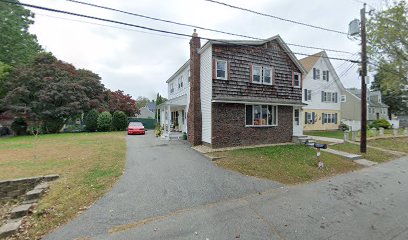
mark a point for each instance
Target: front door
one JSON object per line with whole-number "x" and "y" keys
{"x": 297, "y": 122}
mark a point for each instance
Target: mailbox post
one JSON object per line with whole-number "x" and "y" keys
{"x": 319, "y": 146}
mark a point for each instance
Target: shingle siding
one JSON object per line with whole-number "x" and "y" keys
{"x": 241, "y": 58}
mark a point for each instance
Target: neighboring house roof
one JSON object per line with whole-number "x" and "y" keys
{"x": 309, "y": 61}
{"x": 357, "y": 92}
{"x": 151, "y": 106}
{"x": 257, "y": 43}
{"x": 145, "y": 113}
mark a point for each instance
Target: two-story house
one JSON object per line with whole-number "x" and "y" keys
{"x": 235, "y": 92}
{"x": 322, "y": 92}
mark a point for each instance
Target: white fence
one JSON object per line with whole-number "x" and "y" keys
{"x": 356, "y": 125}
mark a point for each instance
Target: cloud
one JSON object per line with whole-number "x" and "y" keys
{"x": 140, "y": 63}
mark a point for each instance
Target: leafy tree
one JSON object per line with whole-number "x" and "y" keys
{"x": 19, "y": 126}
{"x": 17, "y": 45}
{"x": 91, "y": 120}
{"x": 142, "y": 101}
{"x": 93, "y": 88}
{"x": 4, "y": 72}
{"x": 160, "y": 99}
{"x": 387, "y": 33}
{"x": 119, "y": 101}
{"x": 104, "y": 122}
{"x": 119, "y": 121}
{"x": 46, "y": 91}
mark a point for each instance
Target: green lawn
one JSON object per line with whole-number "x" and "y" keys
{"x": 88, "y": 164}
{"x": 330, "y": 134}
{"x": 371, "y": 154}
{"x": 395, "y": 144}
{"x": 290, "y": 164}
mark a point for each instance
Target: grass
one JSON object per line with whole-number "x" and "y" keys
{"x": 330, "y": 134}
{"x": 289, "y": 164}
{"x": 88, "y": 164}
{"x": 395, "y": 144}
{"x": 371, "y": 154}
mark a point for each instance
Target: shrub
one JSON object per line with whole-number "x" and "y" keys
{"x": 19, "y": 126}
{"x": 158, "y": 130}
{"x": 119, "y": 121}
{"x": 344, "y": 127}
{"x": 53, "y": 125}
{"x": 4, "y": 131}
{"x": 104, "y": 122}
{"x": 91, "y": 121}
{"x": 380, "y": 123}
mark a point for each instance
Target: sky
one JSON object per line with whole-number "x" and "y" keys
{"x": 140, "y": 61}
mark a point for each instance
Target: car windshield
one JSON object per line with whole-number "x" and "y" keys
{"x": 135, "y": 124}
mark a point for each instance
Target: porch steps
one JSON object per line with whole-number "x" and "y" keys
{"x": 306, "y": 140}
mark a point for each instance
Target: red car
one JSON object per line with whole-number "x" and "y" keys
{"x": 136, "y": 128}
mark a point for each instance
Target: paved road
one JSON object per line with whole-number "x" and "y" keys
{"x": 160, "y": 178}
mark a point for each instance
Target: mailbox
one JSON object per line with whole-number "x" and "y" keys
{"x": 319, "y": 145}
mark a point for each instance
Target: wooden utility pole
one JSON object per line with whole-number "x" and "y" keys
{"x": 363, "y": 140}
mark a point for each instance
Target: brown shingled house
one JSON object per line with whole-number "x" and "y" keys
{"x": 236, "y": 93}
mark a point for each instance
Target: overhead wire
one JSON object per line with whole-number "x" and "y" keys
{"x": 148, "y": 28}
{"x": 195, "y": 26}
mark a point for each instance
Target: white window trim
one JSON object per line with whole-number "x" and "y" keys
{"x": 317, "y": 75}
{"x": 253, "y": 115}
{"x": 300, "y": 79}
{"x": 343, "y": 98}
{"x": 260, "y": 74}
{"x": 308, "y": 94}
{"x": 172, "y": 88}
{"x": 271, "y": 75}
{"x": 226, "y": 69}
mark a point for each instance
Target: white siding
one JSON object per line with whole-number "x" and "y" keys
{"x": 206, "y": 93}
{"x": 186, "y": 85}
{"x": 317, "y": 86}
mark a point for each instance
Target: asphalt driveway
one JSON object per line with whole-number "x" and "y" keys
{"x": 160, "y": 178}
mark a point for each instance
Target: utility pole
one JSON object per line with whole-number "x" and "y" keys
{"x": 363, "y": 139}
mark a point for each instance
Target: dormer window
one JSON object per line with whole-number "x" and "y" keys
{"x": 316, "y": 73}
{"x": 326, "y": 75}
{"x": 221, "y": 67}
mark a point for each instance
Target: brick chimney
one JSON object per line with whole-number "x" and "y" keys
{"x": 194, "y": 120}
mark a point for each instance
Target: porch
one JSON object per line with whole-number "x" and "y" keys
{"x": 172, "y": 116}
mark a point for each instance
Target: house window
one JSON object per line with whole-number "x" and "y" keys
{"x": 180, "y": 82}
{"x": 342, "y": 98}
{"x": 329, "y": 118}
{"x": 261, "y": 115}
{"x": 329, "y": 97}
{"x": 325, "y": 75}
{"x": 310, "y": 117}
{"x": 267, "y": 75}
{"x": 296, "y": 79}
{"x": 308, "y": 95}
{"x": 256, "y": 74}
{"x": 316, "y": 73}
{"x": 171, "y": 87}
{"x": 221, "y": 69}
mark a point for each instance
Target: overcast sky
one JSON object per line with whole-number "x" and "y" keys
{"x": 139, "y": 62}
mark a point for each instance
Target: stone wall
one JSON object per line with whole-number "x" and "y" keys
{"x": 13, "y": 188}
{"x": 229, "y": 127}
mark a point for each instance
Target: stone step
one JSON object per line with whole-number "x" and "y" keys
{"x": 343, "y": 154}
{"x": 43, "y": 185}
{"x": 51, "y": 177}
{"x": 34, "y": 194}
{"x": 10, "y": 227}
{"x": 20, "y": 211}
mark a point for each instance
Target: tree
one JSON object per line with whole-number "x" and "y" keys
{"x": 119, "y": 121}
{"x": 104, "y": 122}
{"x": 46, "y": 91}
{"x": 17, "y": 45}
{"x": 119, "y": 101}
{"x": 159, "y": 100}
{"x": 4, "y": 72}
{"x": 142, "y": 101}
{"x": 91, "y": 120}
{"x": 387, "y": 34}
{"x": 93, "y": 88}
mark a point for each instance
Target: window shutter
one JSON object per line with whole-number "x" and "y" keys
{"x": 327, "y": 75}
{"x": 335, "y": 97}
{"x": 214, "y": 69}
{"x": 313, "y": 117}
{"x": 323, "y": 116}
{"x": 314, "y": 73}
{"x": 305, "y": 117}
{"x": 250, "y": 72}
{"x": 335, "y": 118}
{"x": 293, "y": 78}
{"x": 305, "y": 91}
{"x": 322, "y": 96}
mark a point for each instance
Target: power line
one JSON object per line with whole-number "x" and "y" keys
{"x": 278, "y": 18}
{"x": 149, "y": 28}
{"x": 195, "y": 26}
{"x": 104, "y": 25}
